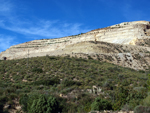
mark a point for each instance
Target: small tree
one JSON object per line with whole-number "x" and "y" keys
{"x": 39, "y": 104}
{"x": 52, "y": 105}
{"x": 33, "y": 108}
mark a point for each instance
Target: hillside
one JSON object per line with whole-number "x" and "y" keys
{"x": 118, "y": 40}
{"x": 74, "y": 82}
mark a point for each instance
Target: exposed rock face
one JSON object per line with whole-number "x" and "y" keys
{"x": 125, "y": 38}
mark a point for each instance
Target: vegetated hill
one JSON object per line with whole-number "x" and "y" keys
{"x": 120, "y": 40}
{"x": 74, "y": 82}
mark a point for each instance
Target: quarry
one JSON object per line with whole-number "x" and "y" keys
{"x": 126, "y": 44}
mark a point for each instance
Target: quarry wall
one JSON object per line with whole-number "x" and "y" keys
{"x": 126, "y": 33}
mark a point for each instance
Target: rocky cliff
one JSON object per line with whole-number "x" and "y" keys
{"x": 117, "y": 41}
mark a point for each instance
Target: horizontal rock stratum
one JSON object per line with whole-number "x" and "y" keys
{"x": 130, "y": 39}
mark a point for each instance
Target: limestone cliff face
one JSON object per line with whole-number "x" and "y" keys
{"x": 127, "y": 33}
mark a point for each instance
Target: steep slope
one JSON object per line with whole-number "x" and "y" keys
{"x": 135, "y": 57}
{"x": 125, "y": 38}
{"x": 102, "y": 47}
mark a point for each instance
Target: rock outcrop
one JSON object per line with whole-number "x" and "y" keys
{"x": 121, "y": 40}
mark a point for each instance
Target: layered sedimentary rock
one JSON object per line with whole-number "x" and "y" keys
{"x": 128, "y": 33}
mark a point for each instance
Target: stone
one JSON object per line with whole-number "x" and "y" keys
{"x": 89, "y": 90}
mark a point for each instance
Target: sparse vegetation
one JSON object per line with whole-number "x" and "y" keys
{"x": 66, "y": 81}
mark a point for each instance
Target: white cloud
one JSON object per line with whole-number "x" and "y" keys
{"x": 36, "y": 28}
{"x": 49, "y": 29}
{"x": 6, "y": 7}
{"x": 39, "y": 27}
{"x": 6, "y": 42}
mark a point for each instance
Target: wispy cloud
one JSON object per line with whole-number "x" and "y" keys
{"x": 6, "y": 7}
{"x": 6, "y": 41}
{"x": 44, "y": 28}
{"x": 37, "y": 27}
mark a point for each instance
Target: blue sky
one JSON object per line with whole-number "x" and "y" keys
{"x": 26, "y": 20}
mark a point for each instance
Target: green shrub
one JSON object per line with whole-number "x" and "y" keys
{"x": 63, "y": 105}
{"x": 52, "y": 105}
{"x": 146, "y": 101}
{"x": 126, "y": 107}
{"x": 13, "y": 96}
{"x": 67, "y": 82}
{"x": 10, "y": 89}
{"x": 39, "y": 104}
{"x": 1, "y": 90}
{"x": 120, "y": 97}
{"x": 3, "y": 99}
{"x": 101, "y": 104}
{"x": 1, "y": 108}
{"x": 38, "y": 70}
{"x": 139, "y": 89}
{"x": 148, "y": 82}
{"x": 43, "y": 105}
{"x": 23, "y": 101}
{"x": 51, "y": 81}
{"x": 141, "y": 109}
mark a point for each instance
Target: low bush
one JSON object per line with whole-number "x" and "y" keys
{"x": 39, "y": 104}
{"x": 13, "y": 96}
{"x": 1, "y": 108}
{"x": 3, "y": 99}
{"x": 51, "y": 81}
{"x": 146, "y": 101}
{"x": 67, "y": 82}
{"x": 141, "y": 109}
{"x": 101, "y": 104}
{"x": 38, "y": 70}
